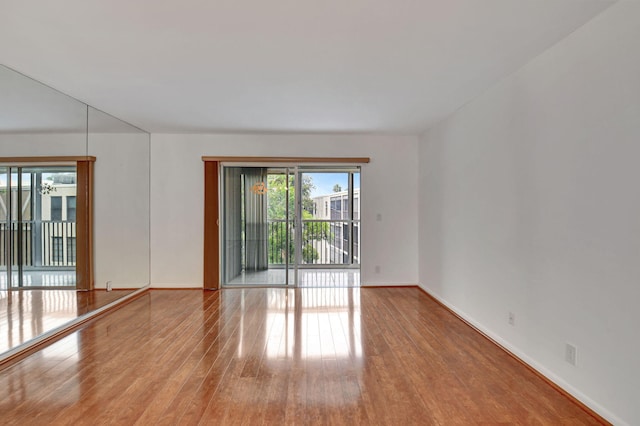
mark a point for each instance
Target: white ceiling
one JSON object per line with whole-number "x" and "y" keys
{"x": 280, "y": 65}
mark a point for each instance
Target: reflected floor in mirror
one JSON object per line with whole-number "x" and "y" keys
{"x": 279, "y": 356}
{"x": 40, "y": 278}
{"x": 306, "y": 277}
{"x": 26, "y": 314}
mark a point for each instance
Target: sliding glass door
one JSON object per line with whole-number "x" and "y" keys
{"x": 258, "y": 238}
{"x": 37, "y": 227}
{"x": 281, "y": 222}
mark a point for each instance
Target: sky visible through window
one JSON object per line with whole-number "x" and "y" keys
{"x": 324, "y": 182}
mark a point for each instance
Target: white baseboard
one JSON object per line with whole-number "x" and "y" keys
{"x": 550, "y": 375}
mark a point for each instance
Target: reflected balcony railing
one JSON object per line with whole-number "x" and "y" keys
{"x": 39, "y": 244}
{"x": 324, "y": 242}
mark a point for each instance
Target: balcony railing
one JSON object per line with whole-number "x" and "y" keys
{"x": 46, "y": 244}
{"x": 324, "y": 242}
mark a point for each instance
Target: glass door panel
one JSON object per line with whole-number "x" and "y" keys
{"x": 257, "y": 233}
{"x": 292, "y": 225}
{"x": 54, "y": 226}
{"x": 38, "y": 226}
{"x": 279, "y": 214}
{"x": 4, "y": 228}
{"x": 356, "y": 217}
{"x": 330, "y": 218}
{"x": 280, "y": 186}
{"x": 20, "y": 209}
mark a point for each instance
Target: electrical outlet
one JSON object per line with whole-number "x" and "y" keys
{"x": 377, "y": 269}
{"x": 512, "y": 319}
{"x": 571, "y": 354}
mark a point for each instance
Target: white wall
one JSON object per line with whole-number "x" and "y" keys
{"x": 42, "y": 144}
{"x": 388, "y": 186}
{"x": 529, "y": 203}
{"x": 121, "y": 209}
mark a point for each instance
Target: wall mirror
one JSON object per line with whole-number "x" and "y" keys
{"x": 44, "y": 137}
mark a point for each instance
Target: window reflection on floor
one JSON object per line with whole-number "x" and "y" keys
{"x": 306, "y": 277}
{"x": 302, "y": 323}
{"x": 40, "y": 278}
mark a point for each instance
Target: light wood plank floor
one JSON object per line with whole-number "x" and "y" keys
{"x": 26, "y": 314}
{"x": 279, "y": 356}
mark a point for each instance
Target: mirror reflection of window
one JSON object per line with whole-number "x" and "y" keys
{"x": 56, "y": 208}
{"x": 71, "y": 208}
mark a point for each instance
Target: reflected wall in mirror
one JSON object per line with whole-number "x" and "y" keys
{"x": 37, "y": 261}
{"x": 36, "y": 120}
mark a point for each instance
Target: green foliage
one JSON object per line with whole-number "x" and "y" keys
{"x": 277, "y": 193}
{"x": 277, "y": 196}
{"x": 278, "y": 243}
{"x": 277, "y": 209}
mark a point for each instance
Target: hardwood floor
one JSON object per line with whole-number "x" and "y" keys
{"x": 279, "y": 356}
{"x": 25, "y": 314}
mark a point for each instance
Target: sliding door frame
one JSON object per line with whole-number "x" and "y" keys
{"x": 212, "y": 258}
{"x": 84, "y": 209}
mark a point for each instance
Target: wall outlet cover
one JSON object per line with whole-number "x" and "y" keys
{"x": 571, "y": 354}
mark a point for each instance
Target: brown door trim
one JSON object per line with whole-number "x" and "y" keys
{"x": 47, "y": 159}
{"x": 297, "y": 160}
{"x": 211, "y": 277}
{"x": 84, "y": 225}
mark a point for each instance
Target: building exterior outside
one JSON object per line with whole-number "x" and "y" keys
{"x": 58, "y": 221}
{"x": 334, "y": 208}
